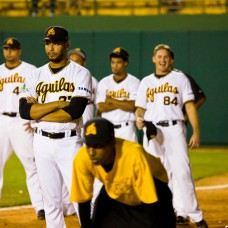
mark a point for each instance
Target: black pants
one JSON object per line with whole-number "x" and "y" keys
{"x": 109, "y": 213}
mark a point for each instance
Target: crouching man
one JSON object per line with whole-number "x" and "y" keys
{"x": 135, "y": 191}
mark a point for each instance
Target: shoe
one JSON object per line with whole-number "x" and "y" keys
{"x": 41, "y": 215}
{"x": 202, "y": 224}
{"x": 181, "y": 220}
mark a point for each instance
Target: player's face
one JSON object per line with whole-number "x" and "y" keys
{"x": 56, "y": 51}
{"x": 163, "y": 61}
{"x": 118, "y": 66}
{"x": 78, "y": 59}
{"x": 12, "y": 54}
{"x": 102, "y": 155}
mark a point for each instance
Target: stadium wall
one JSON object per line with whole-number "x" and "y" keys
{"x": 200, "y": 51}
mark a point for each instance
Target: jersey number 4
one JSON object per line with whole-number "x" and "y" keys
{"x": 16, "y": 90}
{"x": 168, "y": 101}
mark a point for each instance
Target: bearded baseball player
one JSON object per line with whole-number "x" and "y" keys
{"x": 15, "y": 133}
{"x": 116, "y": 96}
{"x": 161, "y": 97}
{"x": 55, "y": 96}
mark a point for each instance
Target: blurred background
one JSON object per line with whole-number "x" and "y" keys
{"x": 196, "y": 30}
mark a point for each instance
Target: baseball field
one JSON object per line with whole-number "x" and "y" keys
{"x": 210, "y": 171}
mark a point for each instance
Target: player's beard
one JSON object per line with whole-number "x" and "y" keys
{"x": 56, "y": 58}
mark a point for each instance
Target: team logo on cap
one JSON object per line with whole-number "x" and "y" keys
{"x": 9, "y": 41}
{"x": 78, "y": 49}
{"x": 91, "y": 130}
{"x": 51, "y": 32}
{"x": 117, "y": 50}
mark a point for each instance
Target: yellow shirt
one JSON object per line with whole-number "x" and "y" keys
{"x": 129, "y": 181}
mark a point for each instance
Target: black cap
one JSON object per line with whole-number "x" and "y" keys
{"x": 98, "y": 131}
{"x": 119, "y": 53}
{"x": 12, "y": 43}
{"x": 56, "y": 34}
{"x": 77, "y": 51}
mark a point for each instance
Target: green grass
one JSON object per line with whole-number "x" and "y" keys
{"x": 14, "y": 190}
{"x": 205, "y": 163}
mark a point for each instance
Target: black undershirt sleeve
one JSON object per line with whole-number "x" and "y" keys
{"x": 76, "y": 107}
{"x": 84, "y": 214}
{"x": 24, "y": 109}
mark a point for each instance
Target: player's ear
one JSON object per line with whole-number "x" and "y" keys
{"x": 171, "y": 61}
{"x": 153, "y": 59}
{"x": 20, "y": 52}
{"x": 67, "y": 44}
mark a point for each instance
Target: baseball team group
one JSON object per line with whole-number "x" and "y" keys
{"x": 77, "y": 138}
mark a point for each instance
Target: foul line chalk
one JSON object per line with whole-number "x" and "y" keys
{"x": 197, "y": 188}
{"x": 15, "y": 208}
{"x": 212, "y": 187}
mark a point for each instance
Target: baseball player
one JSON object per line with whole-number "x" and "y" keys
{"x": 199, "y": 100}
{"x": 116, "y": 95}
{"x": 135, "y": 192}
{"x": 15, "y": 133}
{"x": 161, "y": 97}
{"x": 78, "y": 55}
{"x": 55, "y": 96}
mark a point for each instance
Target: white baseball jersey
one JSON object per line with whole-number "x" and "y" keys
{"x": 13, "y": 134}
{"x": 11, "y": 81}
{"x": 89, "y": 110}
{"x": 72, "y": 81}
{"x": 124, "y": 90}
{"x": 164, "y": 97}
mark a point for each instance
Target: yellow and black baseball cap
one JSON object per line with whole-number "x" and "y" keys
{"x": 164, "y": 46}
{"x": 119, "y": 53}
{"x": 56, "y": 34}
{"x": 98, "y": 132}
{"x": 77, "y": 51}
{"x": 12, "y": 43}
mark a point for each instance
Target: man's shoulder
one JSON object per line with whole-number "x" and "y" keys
{"x": 2, "y": 65}
{"x": 28, "y": 64}
{"x": 82, "y": 153}
{"x": 106, "y": 78}
{"x": 133, "y": 78}
{"x": 147, "y": 78}
{"x": 179, "y": 75}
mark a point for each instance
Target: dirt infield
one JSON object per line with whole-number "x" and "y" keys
{"x": 213, "y": 201}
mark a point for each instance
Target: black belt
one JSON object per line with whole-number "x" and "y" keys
{"x": 52, "y": 135}
{"x": 10, "y": 114}
{"x": 166, "y": 123}
{"x": 120, "y": 125}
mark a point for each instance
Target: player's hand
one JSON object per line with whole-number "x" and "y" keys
{"x": 28, "y": 127}
{"x": 194, "y": 141}
{"x": 140, "y": 123}
{"x": 31, "y": 100}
